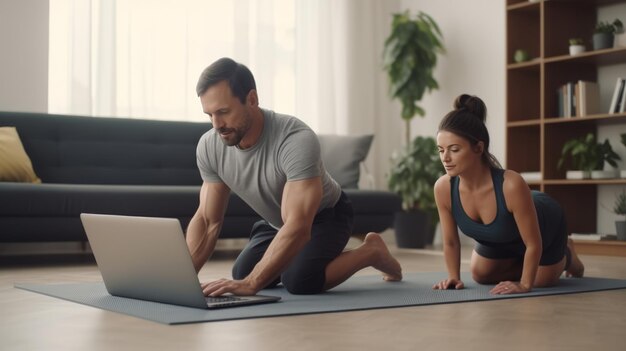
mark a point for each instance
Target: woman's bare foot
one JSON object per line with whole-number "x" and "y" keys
{"x": 576, "y": 268}
{"x": 392, "y": 271}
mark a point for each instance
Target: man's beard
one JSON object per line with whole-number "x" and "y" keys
{"x": 234, "y": 138}
{"x": 236, "y": 134}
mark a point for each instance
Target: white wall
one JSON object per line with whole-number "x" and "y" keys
{"x": 24, "y": 57}
{"x": 474, "y": 63}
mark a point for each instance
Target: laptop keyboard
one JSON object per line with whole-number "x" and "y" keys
{"x": 222, "y": 299}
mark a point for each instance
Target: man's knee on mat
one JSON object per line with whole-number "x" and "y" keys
{"x": 303, "y": 284}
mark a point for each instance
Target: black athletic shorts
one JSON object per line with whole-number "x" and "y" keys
{"x": 306, "y": 274}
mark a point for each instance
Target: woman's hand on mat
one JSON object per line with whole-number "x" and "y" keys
{"x": 449, "y": 283}
{"x": 223, "y": 286}
{"x": 509, "y": 288}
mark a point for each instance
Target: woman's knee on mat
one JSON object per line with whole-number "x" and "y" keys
{"x": 494, "y": 271}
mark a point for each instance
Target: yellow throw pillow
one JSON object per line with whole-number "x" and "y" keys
{"x": 15, "y": 165}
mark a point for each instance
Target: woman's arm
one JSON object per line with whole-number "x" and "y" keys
{"x": 450, "y": 234}
{"x": 519, "y": 201}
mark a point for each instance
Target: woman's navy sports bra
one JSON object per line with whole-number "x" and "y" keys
{"x": 502, "y": 229}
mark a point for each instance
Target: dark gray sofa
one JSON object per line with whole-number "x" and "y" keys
{"x": 129, "y": 167}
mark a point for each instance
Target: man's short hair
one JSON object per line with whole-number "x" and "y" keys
{"x": 239, "y": 78}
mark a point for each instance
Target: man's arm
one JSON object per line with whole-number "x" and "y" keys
{"x": 206, "y": 223}
{"x": 299, "y": 205}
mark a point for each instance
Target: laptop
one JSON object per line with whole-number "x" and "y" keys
{"x": 147, "y": 258}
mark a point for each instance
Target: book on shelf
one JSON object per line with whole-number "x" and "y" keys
{"x": 592, "y": 236}
{"x": 587, "y": 98}
{"x": 566, "y": 95}
{"x": 578, "y": 99}
{"x": 619, "y": 95}
{"x": 622, "y": 103}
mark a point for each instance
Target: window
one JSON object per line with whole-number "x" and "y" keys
{"x": 142, "y": 58}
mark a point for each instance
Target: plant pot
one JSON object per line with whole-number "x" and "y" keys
{"x": 577, "y": 175}
{"x": 619, "y": 40}
{"x": 622, "y": 173}
{"x": 620, "y": 227}
{"x": 576, "y": 49}
{"x": 602, "y": 41}
{"x": 610, "y": 174}
{"x": 412, "y": 229}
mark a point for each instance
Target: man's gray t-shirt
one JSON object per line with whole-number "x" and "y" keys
{"x": 287, "y": 150}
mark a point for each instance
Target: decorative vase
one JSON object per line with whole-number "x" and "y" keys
{"x": 602, "y": 41}
{"x": 521, "y": 56}
{"x": 620, "y": 227}
{"x": 576, "y": 49}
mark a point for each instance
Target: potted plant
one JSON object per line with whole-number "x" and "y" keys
{"x": 410, "y": 57}
{"x": 620, "y": 209}
{"x": 576, "y": 46}
{"x": 588, "y": 158}
{"x": 413, "y": 175}
{"x": 604, "y": 33}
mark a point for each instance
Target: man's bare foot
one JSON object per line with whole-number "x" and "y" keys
{"x": 392, "y": 271}
{"x": 576, "y": 268}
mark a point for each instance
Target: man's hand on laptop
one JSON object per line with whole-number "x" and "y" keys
{"x": 224, "y": 286}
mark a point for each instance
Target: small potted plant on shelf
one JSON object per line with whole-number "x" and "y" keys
{"x": 576, "y": 46}
{"x": 413, "y": 175}
{"x": 604, "y": 33}
{"x": 588, "y": 158}
{"x": 620, "y": 209}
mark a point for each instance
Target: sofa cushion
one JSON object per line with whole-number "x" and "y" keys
{"x": 342, "y": 156}
{"x": 15, "y": 165}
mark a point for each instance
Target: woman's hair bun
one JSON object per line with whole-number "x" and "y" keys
{"x": 472, "y": 104}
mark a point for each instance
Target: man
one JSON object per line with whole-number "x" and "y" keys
{"x": 272, "y": 162}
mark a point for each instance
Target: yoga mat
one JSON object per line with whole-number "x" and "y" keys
{"x": 357, "y": 293}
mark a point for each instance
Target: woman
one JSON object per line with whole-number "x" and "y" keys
{"x": 521, "y": 235}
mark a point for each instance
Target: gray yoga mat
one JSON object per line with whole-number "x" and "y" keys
{"x": 358, "y": 293}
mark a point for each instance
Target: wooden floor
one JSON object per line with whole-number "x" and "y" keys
{"x": 589, "y": 321}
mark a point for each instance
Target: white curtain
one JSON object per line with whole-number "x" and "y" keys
{"x": 320, "y": 60}
{"x": 340, "y": 83}
{"x": 142, "y": 58}
{"x": 339, "y": 55}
